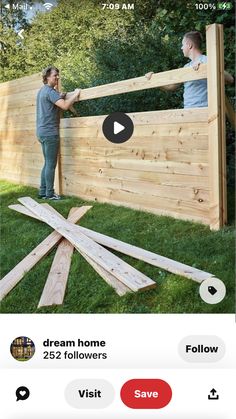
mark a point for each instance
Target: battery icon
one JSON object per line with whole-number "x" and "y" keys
{"x": 224, "y": 5}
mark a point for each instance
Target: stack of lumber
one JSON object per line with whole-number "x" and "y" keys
{"x": 117, "y": 273}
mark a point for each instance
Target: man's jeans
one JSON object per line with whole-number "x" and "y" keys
{"x": 50, "y": 147}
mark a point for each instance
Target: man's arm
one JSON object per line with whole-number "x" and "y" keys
{"x": 65, "y": 104}
{"x": 71, "y": 108}
{"x": 169, "y": 87}
{"x": 228, "y": 78}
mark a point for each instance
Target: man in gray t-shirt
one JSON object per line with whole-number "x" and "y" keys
{"x": 49, "y": 103}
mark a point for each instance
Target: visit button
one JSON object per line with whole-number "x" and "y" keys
{"x": 146, "y": 393}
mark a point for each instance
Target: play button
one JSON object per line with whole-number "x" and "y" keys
{"x": 118, "y": 127}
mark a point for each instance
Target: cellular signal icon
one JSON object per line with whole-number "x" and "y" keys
{"x": 48, "y": 6}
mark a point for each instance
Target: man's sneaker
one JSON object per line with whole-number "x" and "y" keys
{"x": 41, "y": 196}
{"x": 54, "y": 197}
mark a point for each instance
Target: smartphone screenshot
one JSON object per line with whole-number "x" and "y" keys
{"x": 117, "y": 168}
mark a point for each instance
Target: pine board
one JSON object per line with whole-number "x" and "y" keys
{"x": 132, "y": 278}
{"x": 25, "y": 265}
{"x": 154, "y": 259}
{"x": 110, "y": 279}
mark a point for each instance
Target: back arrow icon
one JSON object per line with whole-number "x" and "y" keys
{"x": 20, "y": 33}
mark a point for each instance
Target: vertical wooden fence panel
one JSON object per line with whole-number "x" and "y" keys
{"x": 21, "y": 156}
{"x": 223, "y": 174}
{"x": 216, "y": 127}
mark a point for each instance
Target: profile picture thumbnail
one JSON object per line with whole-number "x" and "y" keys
{"x": 22, "y": 348}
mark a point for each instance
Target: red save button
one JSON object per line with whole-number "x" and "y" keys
{"x": 146, "y": 393}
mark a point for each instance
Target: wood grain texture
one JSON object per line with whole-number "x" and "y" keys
{"x": 154, "y": 259}
{"x": 164, "y": 78}
{"x": 223, "y": 172}
{"x": 215, "y": 126}
{"x": 110, "y": 279}
{"x": 25, "y": 265}
{"x": 55, "y": 286}
{"x": 128, "y": 275}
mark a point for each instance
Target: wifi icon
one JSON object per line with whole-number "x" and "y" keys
{"x": 47, "y": 6}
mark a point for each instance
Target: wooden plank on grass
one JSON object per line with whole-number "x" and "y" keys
{"x": 16, "y": 274}
{"x": 55, "y": 287}
{"x": 120, "y": 288}
{"x": 110, "y": 279}
{"x": 130, "y": 276}
{"x": 154, "y": 259}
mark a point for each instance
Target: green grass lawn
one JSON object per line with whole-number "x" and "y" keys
{"x": 187, "y": 242}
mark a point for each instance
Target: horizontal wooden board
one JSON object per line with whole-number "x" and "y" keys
{"x": 177, "y": 205}
{"x": 21, "y": 85}
{"x": 18, "y": 139}
{"x": 18, "y": 100}
{"x": 15, "y": 125}
{"x": 177, "y": 155}
{"x": 140, "y": 83}
{"x": 173, "y": 116}
{"x": 71, "y": 147}
{"x": 8, "y": 119}
{"x": 22, "y": 179}
{"x": 144, "y": 187}
{"x": 140, "y": 165}
{"x": 129, "y": 174}
{"x": 200, "y": 218}
{"x": 183, "y": 130}
{"x": 21, "y": 156}
{"x": 30, "y": 172}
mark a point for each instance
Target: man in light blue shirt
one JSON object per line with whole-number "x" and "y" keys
{"x": 195, "y": 92}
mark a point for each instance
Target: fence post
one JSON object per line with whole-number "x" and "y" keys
{"x": 216, "y": 121}
{"x": 223, "y": 173}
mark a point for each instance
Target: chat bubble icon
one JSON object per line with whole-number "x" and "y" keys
{"x": 22, "y": 393}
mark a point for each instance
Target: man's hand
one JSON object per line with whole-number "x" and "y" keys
{"x": 149, "y": 75}
{"x": 63, "y": 95}
{"x": 78, "y": 91}
{"x": 196, "y": 65}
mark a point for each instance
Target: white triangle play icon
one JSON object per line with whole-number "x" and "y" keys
{"x": 118, "y": 127}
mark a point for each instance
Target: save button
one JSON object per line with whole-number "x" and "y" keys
{"x": 146, "y": 393}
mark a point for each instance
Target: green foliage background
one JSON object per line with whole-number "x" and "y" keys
{"x": 92, "y": 46}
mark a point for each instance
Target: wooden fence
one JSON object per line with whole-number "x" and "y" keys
{"x": 174, "y": 164}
